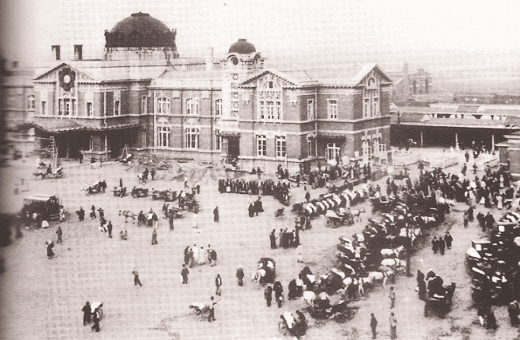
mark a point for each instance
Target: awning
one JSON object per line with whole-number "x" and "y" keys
{"x": 331, "y": 136}
{"x": 68, "y": 125}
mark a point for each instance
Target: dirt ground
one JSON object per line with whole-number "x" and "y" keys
{"x": 42, "y": 298}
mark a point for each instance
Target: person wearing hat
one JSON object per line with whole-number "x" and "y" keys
{"x": 86, "y": 313}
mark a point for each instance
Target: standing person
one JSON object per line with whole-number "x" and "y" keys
{"x": 81, "y": 214}
{"x": 240, "y": 276}
{"x": 195, "y": 223}
{"x": 187, "y": 255}
{"x": 121, "y": 183}
{"x": 251, "y": 210}
{"x": 421, "y": 284}
{"x": 466, "y": 219}
{"x": 186, "y": 182}
{"x": 392, "y": 297}
{"x": 155, "y": 220}
{"x": 448, "y": 239}
{"x": 86, "y": 313}
{"x": 154, "y": 237}
{"x": 281, "y": 236}
{"x": 268, "y": 295}
{"x": 373, "y": 325}
{"x": 215, "y": 214}
{"x": 272, "y": 238}
{"x": 467, "y": 156}
{"x": 50, "y": 245}
{"x": 202, "y": 256}
{"x": 435, "y": 245}
{"x": 481, "y": 221}
{"x": 95, "y": 315}
{"x": 62, "y": 213}
{"x": 59, "y": 232}
{"x": 213, "y": 257}
{"x": 80, "y": 157}
{"x": 442, "y": 245}
{"x": 171, "y": 216}
{"x": 136, "y": 278}
{"x": 299, "y": 251}
{"x": 278, "y": 293}
{"x": 490, "y": 221}
{"x": 184, "y": 273}
{"x": 212, "y": 304}
{"x": 393, "y": 326}
{"x": 109, "y": 229}
{"x": 93, "y": 212}
{"x": 152, "y": 173}
{"x": 218, "y": 284}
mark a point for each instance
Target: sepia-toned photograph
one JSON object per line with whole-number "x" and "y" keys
{"x": 259, "y": 169}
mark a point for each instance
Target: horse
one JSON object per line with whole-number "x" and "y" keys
{"x": 392, "y": 253}
{"x": 374, "y": 277}
{"x": 357, "y": 213}
{"x": 258, "y": 275}
{"x": 141, "y": 178}
{"x": 309, "y": 296}
{"x": 393, "y": 263}
{"x": 127, "y": 214}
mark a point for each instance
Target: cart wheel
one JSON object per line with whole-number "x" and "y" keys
{"x": 283, "y": 328}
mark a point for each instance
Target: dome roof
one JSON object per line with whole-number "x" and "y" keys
{"x": 140, "y": 22}
{"x": 242, "y": 46}
{"x": 140, "y": 30}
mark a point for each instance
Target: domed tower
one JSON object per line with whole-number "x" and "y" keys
{"x": 242, "y": 62}
{"x": 140, "y": 37}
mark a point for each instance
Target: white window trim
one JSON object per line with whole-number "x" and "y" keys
{"x": 332, "y": 148}
{"x": 261, "y": 145}
{"x": 192, "y": 106}
{"x": 163, "y": 130}
{"x": 117, "y": 108}
{"x": 218, "y": 107}
{"x": 310, "y": 109}
{"x": 192, "y": 131}
{"x": 144, "y": 104}
{"x": 31, "y": 102}
{"x": 331, "y": 104}
{"x": 144, "y": 142}
{"x": 163, "y": 105}
{"x": 44, "y": 108}
{"x": 91, "y": 107}
{"x": 281, "y": 141}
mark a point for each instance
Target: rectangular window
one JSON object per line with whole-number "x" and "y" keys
{"x": 333, "y": 109}
{"x": 44, "y": 108}
{"x": 163, "y": 136}
{"x": 56, "y": 49}
{"x": 73, "y": 107}
{"x": 60, "y": 107}
{"x": 90, "y": 110}
{"x": 218, "y": 107}
{"x": 192, "y": 106}
{"x": 332, "y": 152}
{"x": 309, "y": 148}
{"x": 278, "y": 110}
{"x": 281, "y": 146}
{"x": 310, "y": 109}
{"x": 91, "y": 143}
{"x": 366, "y": 109}
{"x": 144, "y": 104}
{"x": 78, "y": 52}
{"x": 270, "y": 110}
{"x": 234, "y": 113}
{"x": 30, "y": 102}
{"x": 192, "y": 138}
{"x": 376, "y": 110}
{"x": 262, "y": 110}
{"x": 261, "y": 145}
{"x": 117, "y": 107}
{"x": 218, "y": 140}
{"x": 163, "y": 105}
{"x": 66, "y": 111}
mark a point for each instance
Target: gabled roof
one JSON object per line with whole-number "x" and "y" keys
{"x": 41, "y": 76}
{"x": 349, "y": 76}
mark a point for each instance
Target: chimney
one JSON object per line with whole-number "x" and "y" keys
{"x": 209, "y": 59}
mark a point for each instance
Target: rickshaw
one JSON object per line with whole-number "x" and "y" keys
{"x": 293, "y": 324}
{"x": 266, "y": 270}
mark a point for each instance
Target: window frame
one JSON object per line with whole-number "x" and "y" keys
{"x": 281, "y": 146}
{"x": 163, "y": 105}
{"x": 192, "y": 106}
{"x": 163, "y": 136}
{"x": 332, "y": 109}
{"x": 144, "y": 104}
{"x": 31, "y": 102}
{"x": 261, "y": 145}
{"x": 218, "y": 107}
{"x": 43, "y": 108}
{"x": 332, "y": 149}
{"x": 310, "y": 109}
{"x": 117, "y": 107}
{"x": 191, "y": 138}
{"x": 89, "y": 109}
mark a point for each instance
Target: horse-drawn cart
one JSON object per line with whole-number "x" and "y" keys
{"x": 139, "y": 192}
{"x": 164, "y": 195}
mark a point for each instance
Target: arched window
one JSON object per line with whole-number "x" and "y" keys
{"x": 371, "y": 98}
{"x": 192, "y": 106}
{"x": 163, "y": 105}
{"x": 218, "y": 107}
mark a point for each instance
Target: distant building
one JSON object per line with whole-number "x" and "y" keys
{"x": 486, "y": 98}
{"x": 143, "y": 97}
{"x": 509, "y": 154}
{"x": 18, "y": 103}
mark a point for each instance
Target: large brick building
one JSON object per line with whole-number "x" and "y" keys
{"x": 141, "y": 95}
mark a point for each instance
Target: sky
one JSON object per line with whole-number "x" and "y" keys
{"x": 382, "y": 31}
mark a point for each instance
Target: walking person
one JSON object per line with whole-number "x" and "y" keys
{"x": 442, "y": 245}
{"x": 392, "y": 297}
{"x": 278, "y": 293}
{"x": 373, "y": 325}
{"x": 155, "y": 220}
{"x": 59, "y": 232}
{"x": 212, "y": 304}
{"x": 95, "y": 316}
{"x": 154, "y": 237}
{"x": 240, "y": 276}
{"x": 109, "y": 229}
{"x": 268, "y": 295}
{"x": 218, "y": 284}
{"x": 136, "y": 278}
{"x": 152, "y": 173}
{"x": 184, "y": 274}
{"x": 50, "y": 245}
{"x": 435, "y": 245}
{"x": 448, "y": 239}
{"x": 93, "y": 212}
{"x": 81, "y": 214}
{"x": 86, "y": 313}
{"x": 393, "y": 326}
{"x": 215, "y": 215}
